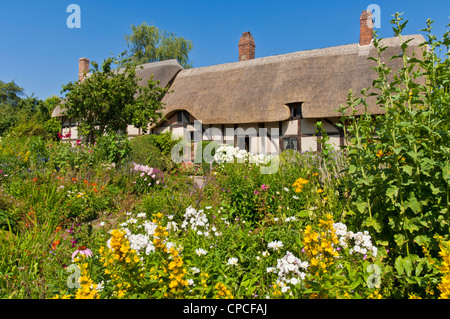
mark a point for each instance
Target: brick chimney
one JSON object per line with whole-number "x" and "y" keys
{"x": 83, "y": 68}
{"x": 366, "y": 28}
{"x": 246, "y": 47}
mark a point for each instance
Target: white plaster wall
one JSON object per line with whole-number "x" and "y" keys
{"x": 309, "y": 143}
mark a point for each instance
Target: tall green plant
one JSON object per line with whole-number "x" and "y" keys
{"x": 398, "y": 170}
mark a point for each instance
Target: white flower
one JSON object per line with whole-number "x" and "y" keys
{"x": 270, "y": 269}
{"x": 149, "y": 249}
{"x": 190, "y": 282}
{"x": 195, "y": 270}
{"x": 171, "y": 226}
{"x": 275, "y": 245}
{"x": 294, "y": 281}
{"x": 286, "y": 189}
{"x": 150, "y": 228}
{"x": 232, "y": 261}
{"x": 138, "y": 242}
{"x": 200, "y": 251}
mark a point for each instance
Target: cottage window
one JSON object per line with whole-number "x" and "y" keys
{"x": 295, "y": 109}
{"x": 290, "y": 143}
{"x": 183, "y": 117}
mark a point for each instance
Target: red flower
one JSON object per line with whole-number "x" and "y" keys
{"x": 55, "y": 244}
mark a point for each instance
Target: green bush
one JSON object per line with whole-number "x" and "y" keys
{"x": 143, "y": 151}
{"x": 164, "y": 142}
{"x": 113, "y": 148}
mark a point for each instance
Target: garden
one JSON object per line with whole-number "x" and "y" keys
{"x": 119, "y": 219}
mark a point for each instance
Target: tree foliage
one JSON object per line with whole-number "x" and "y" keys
{"x": 109, "y": 100}
{"x": 24, "y": 115}
{"x": 148, "y": 43}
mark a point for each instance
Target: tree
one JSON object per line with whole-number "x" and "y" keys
{"x": 10, "y": 93}
{"x": 10, "y": 96}
{"x": 109, "y": 100}
{"x": 150, "y": 44}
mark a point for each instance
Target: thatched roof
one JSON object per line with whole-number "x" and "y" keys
{"x": 163, "y": 71}
{"x": 258, "y": 90}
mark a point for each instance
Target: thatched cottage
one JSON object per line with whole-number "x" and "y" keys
{"x": 285, "y": 94}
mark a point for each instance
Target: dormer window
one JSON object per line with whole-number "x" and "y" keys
{"x": 183, "y": 117}
{"x": 295, "y": 109}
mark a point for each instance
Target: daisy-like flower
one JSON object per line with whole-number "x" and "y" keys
{"x": 200, "y": 251}
{"x": 82, "y": 250}
{"x": 275, "y": 245}
{"x": 232, "y": 261}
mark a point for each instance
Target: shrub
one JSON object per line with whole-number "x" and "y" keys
{"x": 143, "y": 151}
{"x": 113, "y": 148}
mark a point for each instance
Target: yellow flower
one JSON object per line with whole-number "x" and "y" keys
{"x": 375, "y": 295}
{"x": 444, "y": 285}
{"x": 320, "y": 190}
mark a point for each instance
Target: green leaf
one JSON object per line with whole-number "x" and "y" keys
{"x": 399, "y": 265}
{"x": 372, "y": 222}
{"x": 351, "y": 169}
{"x": 419, "y": 267}
{"x": 413, "y": 203}
{"x": 392, "y": 193}
{"x": 407, "y": 264}
{"x": 407, "y": 169}
{"x": 421, "y": 240}
{"x": 400, "y": 239}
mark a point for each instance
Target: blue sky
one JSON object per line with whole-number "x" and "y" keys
{"x": 40, "y": 53}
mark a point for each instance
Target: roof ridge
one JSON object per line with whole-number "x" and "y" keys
{"x": 352, "y": 48}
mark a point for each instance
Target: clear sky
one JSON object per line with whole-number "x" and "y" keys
{"x": 40, "y": 53}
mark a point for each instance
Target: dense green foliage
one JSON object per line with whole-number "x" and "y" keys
{"x": 398, "y": 163}
{"x": 148, "y": 43}
{"x": 108, "y": 100}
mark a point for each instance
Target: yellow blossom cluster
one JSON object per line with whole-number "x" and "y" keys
{"x": 318, "y": 246}
{"x": 444, "y": 286}
{"x": 299, "y": 183}
{"x": 176, "y": 273}
{"x": 120, "y": 262}
{"x": 88, "y": 289}
{"x": 173, "y": 269}
{"x": 222, "y": 292}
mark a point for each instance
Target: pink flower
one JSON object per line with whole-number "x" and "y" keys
{"x": 264, "y": 187}
{"x": 83, "y": 251}
{"x": 255, "y": 192}
{"x": 78, "y": 142}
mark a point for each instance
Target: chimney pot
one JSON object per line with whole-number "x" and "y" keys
{"x": 83, "y": 68}
{"x": 246, "y": 47}
{"x": 366, "y": 28}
